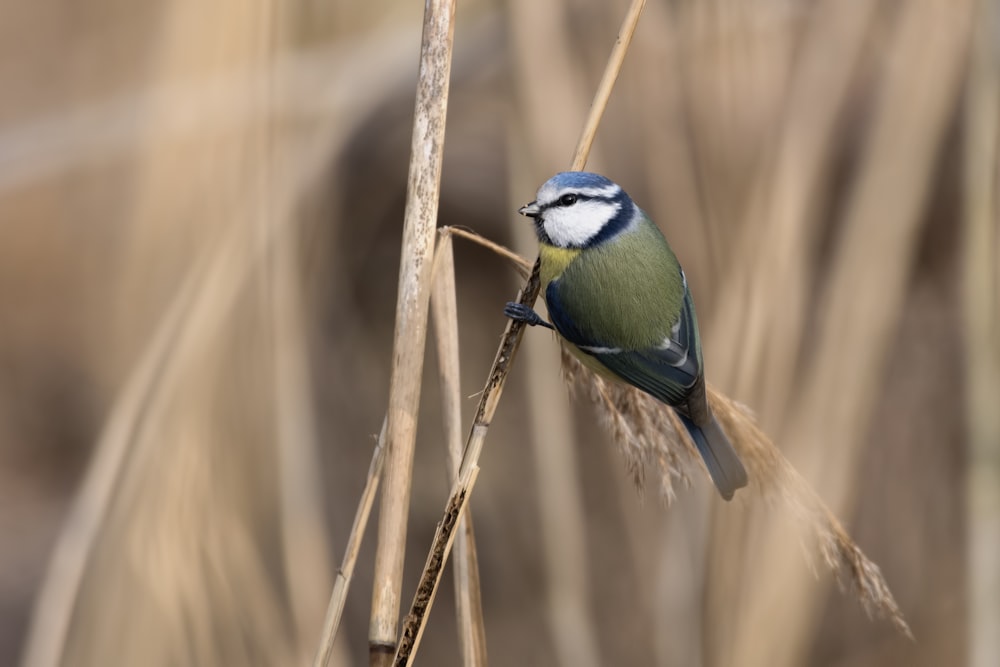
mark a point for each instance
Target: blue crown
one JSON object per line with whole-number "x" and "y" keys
{"x": 579, "y": 179}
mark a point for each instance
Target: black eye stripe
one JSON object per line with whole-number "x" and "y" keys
{"x": 579, "y": 198}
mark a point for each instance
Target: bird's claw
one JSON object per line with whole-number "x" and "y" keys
{"x": 522, "y": 313}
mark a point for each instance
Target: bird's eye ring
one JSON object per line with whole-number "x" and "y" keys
{"x": 567, "y": 200}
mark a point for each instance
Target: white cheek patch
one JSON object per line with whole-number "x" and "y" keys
{"x": 574, "y": 226}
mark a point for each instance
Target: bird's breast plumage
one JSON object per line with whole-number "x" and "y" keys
{"x": 626, "y": 292}
{"x": 554, "y": 262}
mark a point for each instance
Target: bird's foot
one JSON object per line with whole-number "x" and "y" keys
{"x": 523, "y": 313}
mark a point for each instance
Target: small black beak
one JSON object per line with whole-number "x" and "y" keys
{"x": 530, "y": 210}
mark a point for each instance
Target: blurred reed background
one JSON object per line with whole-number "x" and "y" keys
{"x": 200, "y": 221}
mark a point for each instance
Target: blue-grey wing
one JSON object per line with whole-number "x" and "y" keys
{"x": 567, "y": 326}
{"x": 668, "y": 371}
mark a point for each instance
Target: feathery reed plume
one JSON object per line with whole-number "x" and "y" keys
{"x": 778, "y": 482}
{"x": 647, "y": 435}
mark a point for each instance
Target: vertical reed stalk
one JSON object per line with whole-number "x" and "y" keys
{"x": 444, "y": 313}
{"x": 420, "y": 220}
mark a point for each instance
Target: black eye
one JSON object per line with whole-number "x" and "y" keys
{"x": 567, "y": 200}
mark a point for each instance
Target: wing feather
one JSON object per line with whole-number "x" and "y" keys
{"x": 667, "y": 372}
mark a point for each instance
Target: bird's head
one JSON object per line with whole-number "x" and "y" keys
{"x": 578, "y": 209}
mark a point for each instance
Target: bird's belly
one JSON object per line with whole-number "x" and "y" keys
{"x": 591, "y": 362}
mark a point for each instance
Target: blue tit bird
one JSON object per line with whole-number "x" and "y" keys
{"x": 617, "y": 294}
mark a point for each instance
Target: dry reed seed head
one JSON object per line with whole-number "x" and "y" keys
{"x": 781, "y": 485}
{"x": 648, "y": 435}
{"x": 871, "y": 588}
{"x": 642, "y": 428}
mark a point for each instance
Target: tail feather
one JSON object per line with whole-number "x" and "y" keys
{"x": 723, "y": 463}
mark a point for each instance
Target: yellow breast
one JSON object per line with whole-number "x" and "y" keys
{"x": 554, "y": 262}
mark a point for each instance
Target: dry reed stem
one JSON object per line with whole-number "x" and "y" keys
{"x": 345, "y": 572}
{"x": 444, "y": 314}
{"x": 522, "y": 265}
{"x": 415, "y": 621}
{"x": 607, "y": 83}
{"x": 444, "y": 537}
{"x": 981, "y": 309}
{"x": 420, "y": 221}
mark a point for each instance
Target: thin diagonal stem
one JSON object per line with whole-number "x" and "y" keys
{"x": 338, "y": 597}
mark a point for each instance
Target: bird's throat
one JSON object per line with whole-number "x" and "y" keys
{"x": 554, "y": 262}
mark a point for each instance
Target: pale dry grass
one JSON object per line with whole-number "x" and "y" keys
{"x": 147, "y": 192}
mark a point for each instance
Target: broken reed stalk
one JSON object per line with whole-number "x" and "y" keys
{"x": 415, "y": 621}
{"x": 419, "y": 228}
{"x": 522, "y": 265}
{"x": 444, "y": 314}
{"x": 338, "y": 597}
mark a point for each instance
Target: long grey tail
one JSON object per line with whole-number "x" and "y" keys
{"x": 723, "y": 463}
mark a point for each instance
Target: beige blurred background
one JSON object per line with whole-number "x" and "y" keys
{"x": 200, "y": 220}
